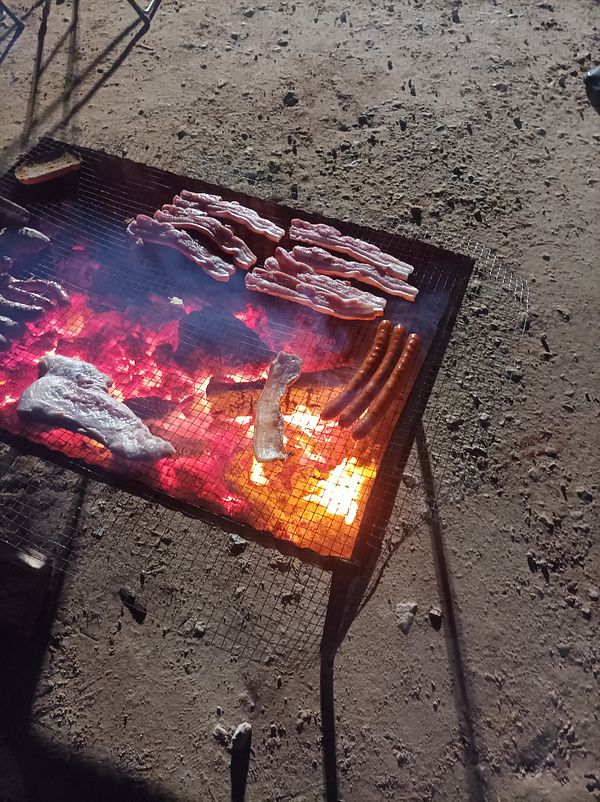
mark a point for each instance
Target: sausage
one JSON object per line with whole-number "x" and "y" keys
{"x": 14, "y": 293}
{"x": 7, "y": 324}
{"x": 19, "y": 311}
{"x": 45, "y": 286}
{"x": 387, "y": 394}
{"x": 369, "y": 364}
{"x": 376, "y": 382}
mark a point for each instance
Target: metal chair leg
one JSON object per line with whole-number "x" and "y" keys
{"x": 146, "y": 13}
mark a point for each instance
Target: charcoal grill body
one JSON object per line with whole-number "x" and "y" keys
{"x": 70, "y": 203}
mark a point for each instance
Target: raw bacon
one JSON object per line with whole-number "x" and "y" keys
{"x": 146, "y": 230}
{"x": 321, "y": 293}
{"x": 328, "y": 237}
{"x": 230, "y": 210}
{"x": 223, "y": 236}
{"x": 328, "y": 265}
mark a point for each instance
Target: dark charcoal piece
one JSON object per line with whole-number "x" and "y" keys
{"x": 214, "y": 333}
{"x": 150, "y": 407}
{"x": 592, "y": 87}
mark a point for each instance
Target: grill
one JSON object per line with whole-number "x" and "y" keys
{"x": 325, "y": 513}
{"x": 333, "y": 496}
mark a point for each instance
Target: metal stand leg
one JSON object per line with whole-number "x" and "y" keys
{"x": 17, "y": 25}
{"x": 145, "y": 14}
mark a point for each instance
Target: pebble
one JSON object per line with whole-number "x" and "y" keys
{"x": 222, "y": 736}
{"x": 242, "y": 737}
{"x": 583, "y": 493}
{"x": 484, "y": 419}
{"x": 417, "y": 214}
{"x": 405, "y": 615}
{"x": 500, "y": 86}
{"x": 290, "y": 99}
{"x": 454, "y": 423}
{"x": 586, "y": 613}
{"x": 249, "y": 12}
{"x": 410, "y": 480}
{"x": 199, "y": 630}
{"x": 435, "y": 618}
{"x": 514, "y": 374}
{"x": 593, "y": 594}
{"x": 564, "y": 649}
{"x": 455, "y": 16}
{"x": 237, "y": 545}
{"x": 534, "y": 474}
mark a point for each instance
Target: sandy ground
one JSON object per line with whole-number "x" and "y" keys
{"x": 475, "y": 120}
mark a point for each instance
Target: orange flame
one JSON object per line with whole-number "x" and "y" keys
{"x": 339, "y": 493}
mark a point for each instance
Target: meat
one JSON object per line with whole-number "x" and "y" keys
{"x": 363, "y": 374}
{"x": 223, "y": 236}
{"x": 214, "y": 333}
{"x": 46, "y": 289}
{"x": 366, "y": 394}
{"x": 268, "y": 425}
{"x": 230, "y": 210}
{"x": 328, "y": 265}
{"x": 397, "y": 387}
{"x": 74, "y": 395}
{"x": 22, "y": 242}
{"x": 320, "y": 293}
{"x": 146, "y": 230}
{"x": 328, "y": 237}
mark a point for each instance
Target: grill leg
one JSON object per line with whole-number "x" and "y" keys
{"x": 339, "y": 593}
{"x": 146, "y": 13}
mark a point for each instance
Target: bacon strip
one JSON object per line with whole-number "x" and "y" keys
{"x": 146, "y": 230}
{"x": 328, "y": 265}
{"x": 321, "y": 293}
{"x": 230, "y": 210}
{"x": 332, "y": 239}
{"x": 398, "y": 381}
{"x": 223, "y": 236}
{"x": 268, "y": 426}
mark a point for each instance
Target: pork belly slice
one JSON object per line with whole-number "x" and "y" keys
{"x": 320, "y": 293}
{"x": 73, "y": 394}
{"x": 194, "y": 220}
{"x": 230, "y": 210}
{"x": 329, "y": 265}
{"x": 268, "y": 441}
{"x": 145, "y": 230}
{"x": 329, "y": 237}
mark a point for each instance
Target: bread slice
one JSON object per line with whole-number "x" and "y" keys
{"x": 36, "y": 172}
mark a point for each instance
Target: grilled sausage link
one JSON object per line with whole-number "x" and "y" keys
{"x": 399, "y": 375}
{"x": 376, "y": 382}
{"x": 369, "y": 364}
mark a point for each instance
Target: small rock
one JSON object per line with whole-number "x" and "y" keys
{"x": 405, "y": 615}
{"x": 199, "y": 630}
{"x": 304, "y": 717}
{"x": 454, "y": 423}
{"x": 586, "y": 613}
{"x": 500, "y": 86}
{"x": 417, "y": 214}
{"x": 435, "y": 618}
{"x": 290, "y": 99}
{"x": 454, "y": 15}
{"x": 248, "y": 12}
{"x": 181, "y": 134}
{"x": 410, "y": 480}
{"x": 222, "y": 736}
{"x": 541, "y": 131}
{"x": 236, "y": 544}
{"x": 534, "y": 474}
{"x": 514, "y": 374}
{"x": 134, "y": 602}
{"x": 564, "y": 649}
{"x": 484, "y": 419}
{"x": 584, "y": 494}
{"x": 242, "y": 737}
{"x": 593, "y": 594}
